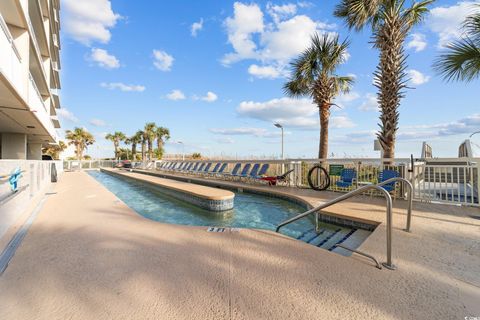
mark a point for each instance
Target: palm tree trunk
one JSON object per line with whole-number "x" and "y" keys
{"x": 143, "y": 151}
{"x": 324, "y": 111}
{"x": 150, "y": 152}
{"x": 134, "y": 151}
{"x": 116, "y": 151}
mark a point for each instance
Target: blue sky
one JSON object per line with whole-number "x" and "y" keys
{"x": 212, "y": 72}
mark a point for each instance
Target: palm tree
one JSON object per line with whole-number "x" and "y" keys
{"x": 55, "y": 150}
{"x": 391, "y": 21}
{"x": 313, "y": 75}
{"x": 143, "y": 136}
{"x": 149, "y": 130}
{"x": 162, "y": 134}
{"x": 134, "y": 140}
{"x": 81, "y": 139}
{"x": 461, "y": 61}
{"x": 116, "y": 138}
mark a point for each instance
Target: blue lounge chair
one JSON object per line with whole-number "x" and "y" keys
{"x": 257, "y": 174}
{"x": 234, "y": 170}
{"x": 200, "y": 168}
{"x": 187, "y": 167}
{"x": 244, "y": 171}
{"x": 207, "y": 168}
{"x": 194, "y": 168}
{"x": 252, "y": 173}
{"x": 347, "y": 177}
{"x": 215, "y": 169}
{"x": 385, "y": 175}
{"x": 222, "y": 168}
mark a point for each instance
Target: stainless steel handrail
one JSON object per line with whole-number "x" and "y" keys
{"x": 409, "y": 197}
{"x": 388, "y": 198}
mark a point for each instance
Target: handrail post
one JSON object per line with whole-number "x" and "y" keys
{"x": 409, "y": 197}
{"x": 389, "y": 264}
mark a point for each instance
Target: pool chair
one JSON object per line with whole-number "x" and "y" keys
{"x": 385, "y": 175}
{"x": 253, "y": 172}
{"x": 194, "y": 168}
{"x": 218, "y": 170}
{"x": 222, "y": 169}
{"x": 274, "y": 180}
{"x": 207, "y": 168}
{"x": 215, "y": 169}
{"x": 243, "y": 173}
{"x": 347, "y": 177}
{"x": 187, "y": 167}
{"x": 200, "y": 168}
{"x": 256, "y": 176}
{"x": 233, "y": 172}
{"x": 168, "y": 166}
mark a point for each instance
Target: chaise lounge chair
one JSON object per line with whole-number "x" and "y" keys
{"x": 347, "y": 177}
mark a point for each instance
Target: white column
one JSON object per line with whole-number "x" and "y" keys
{"x": 34, "y": 151}
{"x": 14, "y": 146}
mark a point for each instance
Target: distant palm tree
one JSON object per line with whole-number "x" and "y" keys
{"x": 134, "y": 140}
{"x": 81, "y": 139}
{"x": 116, "y": 138}
{"x": 162, "y": 134}
{"x": 55, "y": 150}
{"x": 461, "y": 61}
{"x": 391, "y": 21}
{"x": 150, "y": 133}
{"x": 314, "y": 75}
{"x": 143, "y": 136}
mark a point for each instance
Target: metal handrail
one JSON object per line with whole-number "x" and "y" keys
{"x": 388, "y": 198}
{"x": 409, "y": 197}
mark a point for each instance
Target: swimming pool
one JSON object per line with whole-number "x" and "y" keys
{"x": 250, "y": 211}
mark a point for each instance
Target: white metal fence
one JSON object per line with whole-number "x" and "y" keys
{"x": 453, "y": 180}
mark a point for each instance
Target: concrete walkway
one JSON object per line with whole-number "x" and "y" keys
{"x": 88, "y": 256}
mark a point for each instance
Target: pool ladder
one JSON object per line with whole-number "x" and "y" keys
{"x": 388, "y": 264}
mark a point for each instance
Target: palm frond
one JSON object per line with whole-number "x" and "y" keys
{"x": 471, "y": 24}
{"x": 357, "y": 13}
{"x": 416, "y": 13}
{"x": 460, "y": 62}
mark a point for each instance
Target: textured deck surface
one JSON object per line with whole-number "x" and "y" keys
{"x": 89, "y": 256}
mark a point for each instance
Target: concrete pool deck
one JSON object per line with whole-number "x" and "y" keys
{"x": 89, "y": 256}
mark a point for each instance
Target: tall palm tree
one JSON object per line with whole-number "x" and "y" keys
{"x": 116, "y": 138}
{"x": 391, "y": 21}
{"x": 150, "y": 129}
{"x": 134, "y": 140}
{"x": 162, "y": 134}
{"x": 461, "y": 60}
{"x": 314, "y": 75}
{"x": 81, "y": 139}
{"x": 143, "y": 136}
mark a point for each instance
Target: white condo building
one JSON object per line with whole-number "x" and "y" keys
{"x": 29, "y": 77}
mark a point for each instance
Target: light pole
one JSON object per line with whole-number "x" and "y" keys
{"x": 474, "y": 134}
{"x": 183, "y": 149}
{"x": 278, "y": 125}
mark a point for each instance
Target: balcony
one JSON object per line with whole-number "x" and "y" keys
{"x": 10, "y": 60}
{"x": 39, "y": 109}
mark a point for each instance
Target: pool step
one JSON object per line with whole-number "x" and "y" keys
{"x": 327, "y": 238}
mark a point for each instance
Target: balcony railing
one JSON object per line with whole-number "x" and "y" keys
{"x": 10, "y": 59}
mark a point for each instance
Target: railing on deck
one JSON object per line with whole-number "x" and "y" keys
{"x": 454, "y": 181}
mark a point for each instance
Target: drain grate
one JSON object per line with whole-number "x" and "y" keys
{"x": 215, "y": 229}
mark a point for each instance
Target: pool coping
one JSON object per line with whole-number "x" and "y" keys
{"x": 324, "y": 216}
{"x": 201, "y": 197}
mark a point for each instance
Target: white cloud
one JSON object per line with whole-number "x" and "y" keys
{"x": 176, "y": 95}
{"x": 273, "y": 44}
{"x": 417, "y": 78}
{"x": 162, "y": 60}
{"x": 447, "y": 21}
{"x": 225, "y": 140}
{"x": 196, "y": 27}
{"x": 246, "y": 20}
{"x": 65, "y": 114}
{"x": 341, "y": 122}
{"x": 345, "y": 98}
{"x": 244, "y": 131}
{"x": 280, "y": 12}
{"x": 418, "y": 42}
{"x": 210, "y": 97}
{"x": 370, "y": 103}
{"x": 264, "y": 72}
{"x": 122, "y": 87}
{"x": 104, "y": 59}
{"x": 97, "y": 123}
{"x": 289, "y": 112}
{"x": 89, "y": 21}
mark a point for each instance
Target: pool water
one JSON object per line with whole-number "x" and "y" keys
{"x": 250, "y": 211}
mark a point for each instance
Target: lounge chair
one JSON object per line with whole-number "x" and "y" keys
{"x": 256, "y": 175}
{"x": 222, "y": 168}
{"x": 385, "y": 175}
{"x": 244, "y": 171}
{"x": 272, "y": 181}
{"x": 200, "y": 168}
{"x": 207, "y": 168}
{"x": 187, "y": 167}
{"x": 194, "y": 168}
{"x": 252, "y": 173}
{"x": 215, "y": 169}
{"x": 347, "y": 177}
{"x": 234, "y": 170}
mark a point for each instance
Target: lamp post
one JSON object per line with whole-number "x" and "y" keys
{"x": 278, "y": 125}
{"x": 183, "y": 149}
{"x": 474, "y": 134}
